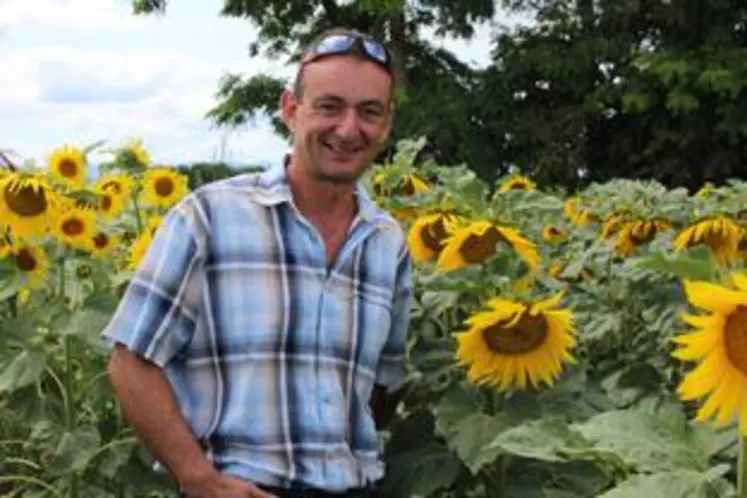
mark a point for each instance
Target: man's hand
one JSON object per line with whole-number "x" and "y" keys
{"x": 217, "y": 485}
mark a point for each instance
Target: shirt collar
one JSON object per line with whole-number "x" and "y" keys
{"x": 272, "y": 188}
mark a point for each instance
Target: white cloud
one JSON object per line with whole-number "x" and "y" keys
{"x": 98, "y": 14}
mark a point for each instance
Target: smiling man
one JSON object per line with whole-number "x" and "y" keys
{"x": 259, "y": 342}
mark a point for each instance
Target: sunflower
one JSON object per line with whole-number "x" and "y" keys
{"x": 720, "y": 233}
{"x": 138, "y": 249}
{"x": 513, "y": 344}
{"x": 476, "y": 243}
{"x": 33, "y": 264}
{"x": 69, "y": 164}
{"x": 517, "y": 182}
{"x": 614, "y": 223}
{"x": 164, "y": 187}
{"x": 76, "y": 227}
{"x": 136, "y": 150}
{"x": 153, "y": 224}
{"x": 119, "y": 184}
{"x": 718, "y": 344}
{"x": 6, "y": 246}
{"x": 575, "y": 214}
{"x": 410, "y": 185}
{"x": 553, "y": 234}
{"x": 102, "y": 244}
{"x": 426, "y": 236}
{"x": 27, "y": 204}
{"x": 110, "y": 205}
{"x": 639, "y": 232}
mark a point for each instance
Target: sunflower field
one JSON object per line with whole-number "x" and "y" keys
{"x": 591, "y": 345}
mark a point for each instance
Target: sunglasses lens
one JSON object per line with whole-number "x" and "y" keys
{"x": 335, "y": 44}
{"x": 376, "y": 50}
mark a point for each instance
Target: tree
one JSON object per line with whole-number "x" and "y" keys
{"x": 432, "y": 82}
{"x": 625, "y": 88}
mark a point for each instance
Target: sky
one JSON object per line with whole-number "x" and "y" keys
{"x": 79, "y": 71}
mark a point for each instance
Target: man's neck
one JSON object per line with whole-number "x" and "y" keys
{"x": 320, "y": 200}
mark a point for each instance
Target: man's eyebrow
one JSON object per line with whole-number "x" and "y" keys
{"x": 339, "y": 100}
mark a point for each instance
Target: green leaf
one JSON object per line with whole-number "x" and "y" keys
{"x": 24, "y": 370}
{"x": 650, "y": 442}
{"x": 674, "y": 484}
{"x": 695, "y": 264}
{"x": 420, "y": 472}
{"x": 549, "y": 440}
{"x": 74, "y": 451}
{"x": 470, "y": 436}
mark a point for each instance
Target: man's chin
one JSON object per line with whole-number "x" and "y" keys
{"x": 339, "y": 176}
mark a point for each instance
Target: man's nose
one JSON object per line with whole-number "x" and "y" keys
{"x": 349, "y": 125}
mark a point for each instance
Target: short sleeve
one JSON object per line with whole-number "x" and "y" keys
{"x": 157, "y": 315}
{"x": 391, "y": 369}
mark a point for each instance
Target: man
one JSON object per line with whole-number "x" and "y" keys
{"x": 266, "y": 324}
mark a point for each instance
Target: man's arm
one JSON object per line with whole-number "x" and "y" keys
{"x": 388, "y": 390}
{"x": 384, "y": 404}
{"x": 150, "y": 408}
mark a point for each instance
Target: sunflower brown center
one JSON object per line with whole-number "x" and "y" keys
{"x": 100, "y": 240}
{"x": 526, "y": 335}
{"x": 735, "y": 338}
{"x": 409, "y": 187}
{"x": 25, "y": 261}
{"x": 106, "y": 203}
{"x": 164, "y": 187}
{"x": 26, "y": 201}
{"x": 73, "y": 227}
{"x": 433, "y": 234}
{"x": 518, "y": 185}
{"x": 68, "y": 168}
{"x": 112, "y": 185}
{"x": 478, "y": 248}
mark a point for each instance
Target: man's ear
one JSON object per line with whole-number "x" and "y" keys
{"x": 288, "y": 108}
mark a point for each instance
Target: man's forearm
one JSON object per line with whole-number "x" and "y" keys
{"x": 150, "y": 407}
{"x": 384, "y": 404}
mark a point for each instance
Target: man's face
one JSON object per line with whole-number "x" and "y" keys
{"x": 342, "y": 120}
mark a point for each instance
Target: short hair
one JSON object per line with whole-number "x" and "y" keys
{"x": 356, "y": 51}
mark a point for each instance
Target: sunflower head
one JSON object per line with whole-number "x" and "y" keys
{"x": 720, "y": 233}
{"x": 717, "y": 342}
{"x": 164, "y": 187}
{"x": 553, "y": 234}
{"x": 515, "y": 344}
{"x": 134, "y": 153}
{"x": 102, "y": 244}
{"x": 478, "y": 241}
{"x": 68, "y": 163}
{"x": 118, "y": 184}
{"x": 27, "y": 204}
{"x": 517, "y": 182}
{"x": 76, "y": 227}
{"x": 577, "y": 214}
{"x": 636, "y": 233}
{"x": 109, "y": 205}
{"x": 427, "y": 235}
{"x": 33, "y": 264}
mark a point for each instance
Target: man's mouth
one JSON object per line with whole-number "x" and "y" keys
{"x": 341, "y": 148}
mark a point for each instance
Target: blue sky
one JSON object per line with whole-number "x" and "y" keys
{"x": 79, "y": 71}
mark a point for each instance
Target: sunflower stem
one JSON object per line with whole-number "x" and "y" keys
{"x": 742, "y": 468}
{"x": 68, "y": 382}
{"x": 138, "y": 219}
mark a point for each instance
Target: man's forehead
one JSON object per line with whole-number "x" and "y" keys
{"x": 346, "y": 76}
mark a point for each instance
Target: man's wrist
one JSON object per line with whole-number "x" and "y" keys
{"x": 195, "y": 474}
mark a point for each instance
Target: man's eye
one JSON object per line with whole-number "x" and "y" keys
{"x": 329, "y": 108}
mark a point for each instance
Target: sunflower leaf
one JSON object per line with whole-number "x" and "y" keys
{"x": 681, "y": 483}
{"x": 648, "y": 441}
{"x": 692, "y": 264}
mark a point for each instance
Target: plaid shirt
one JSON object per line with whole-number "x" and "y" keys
{"x": 272, "y": 355}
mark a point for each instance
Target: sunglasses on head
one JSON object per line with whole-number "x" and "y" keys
{"x": 342, "y": 43}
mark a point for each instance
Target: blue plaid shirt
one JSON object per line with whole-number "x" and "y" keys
{"x": 272, "y": 355}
